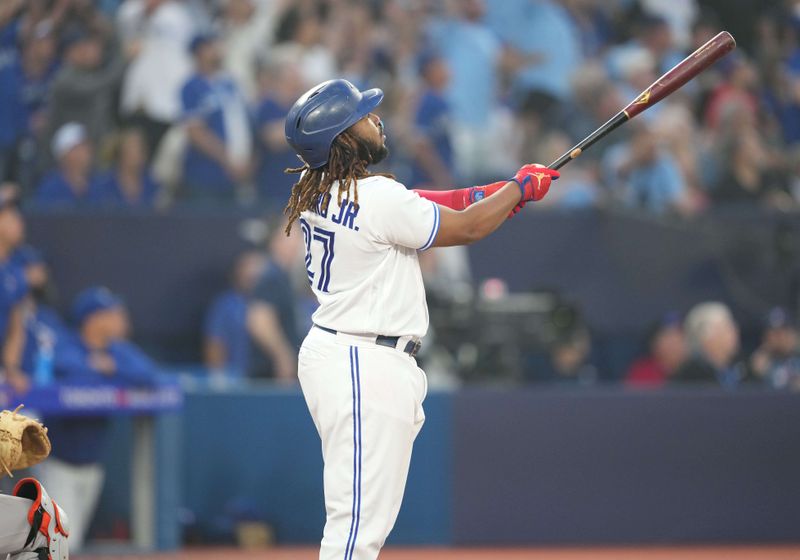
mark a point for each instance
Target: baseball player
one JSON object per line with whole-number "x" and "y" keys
{"x": 32, "y": 525}
{"x": 356, "y": 366}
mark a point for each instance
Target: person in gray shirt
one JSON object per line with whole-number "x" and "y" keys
{"x": 83, "y": 90}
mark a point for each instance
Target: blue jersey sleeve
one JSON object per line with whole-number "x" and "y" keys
{"x": 52, "y": 191}
{"x": 268, "y": 112}
{"x": 22, "y": 288}
{"x": 215, "y": 319}
{"x": 193, "y": 96}
{"x": 70, "y": 362}
{"x": 267, "y": 289}
{"x": 134, "y": 367}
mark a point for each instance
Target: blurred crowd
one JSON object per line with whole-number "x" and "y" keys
{"x": 702, "y": 348}
{"x": 148, "y": 104}
{"x": 151, "y": 103}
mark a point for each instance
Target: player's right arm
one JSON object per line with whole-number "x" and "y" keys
{"x": 478, "y": 220}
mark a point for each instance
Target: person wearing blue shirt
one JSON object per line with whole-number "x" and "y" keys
{"x": 13, "y": 293}
{"x": 227, "y": 345}
{"x": 29, "y": 79}
{"x": 217, "y": 160}
{"x": 130, "y": 184}
{"x": 74, "y": 183}
{"x": 648, "y": 176}
{"x": 96, "y": 354}
{"x": 280, "y": 84}
{"x": 12, "y": 117}
{"x": 30, "y": 260}
{"x": 433, "y": 151}
{"x": 272, "y": 312}
{"x": 473, "y": 54}
{"x": 776, "y": 362}
{"x": 10, "y": 29}
{"x": 43, "y": 325}
{"x": 546, "y": 37}
{"x": 652, "y": 33}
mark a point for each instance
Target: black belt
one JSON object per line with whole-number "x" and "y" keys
{"x": 412, "y": 346}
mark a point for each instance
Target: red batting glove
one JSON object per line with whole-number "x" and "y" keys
{"x": 534, "y": 181}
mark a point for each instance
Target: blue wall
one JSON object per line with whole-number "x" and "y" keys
{"x": 260, "y": 446}
{"x": 623, "y": 270}
{"x": 617, "y": 467}
{"x": 513, "y": 466}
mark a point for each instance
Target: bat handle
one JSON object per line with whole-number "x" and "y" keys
{"x": 566, "y": 158}
{"x": 578, "y": 149}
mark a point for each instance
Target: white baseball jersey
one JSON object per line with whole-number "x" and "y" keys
{"x": 362, "y": 260}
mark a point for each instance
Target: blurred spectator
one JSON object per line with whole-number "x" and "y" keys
{"x": 129, "y": 183}
{"x": 96, "y": 354}
{"x": 280, "y": 84}
{"x": 13, "y": 292}
{"x": 272, "y": 312}
{"x": 33, "y": 265}
{"x": 549, "y": 56}
{"x": 680, "y": 136}
{"x": 217, "y": 159}
{"x": 82, "y": 15}
{"x": 736, "y": 93}
{"x": 679, "y": 14}
{"x": 83, "y": 90}
{"x": 157, "y": 33}
{"x": 666, "y": 352}
{"x": 569, "y": 359}
{"x": 747, "y": 177}
{"x": 472, "y": 52}
{"x": 246, "y": 28}
{"x": 433, "y": 152}
{"x": 712, "y": 337}
{"x": 74, "y": 183}
{"x": 227, "y": 342}
{"x": 446, "y": 273}
{"x": 24, "y": 86}
{"x": 781, "y": 97}
{"x": 595, "y": 100}
{"x": 43, "y": 325}
{"x": 646, "y": 174}
{"x": 777, "y": 362}
{"x": 653, "y": 34}
{"x": 10, "y": 24}
{"x": 302, "y": 26}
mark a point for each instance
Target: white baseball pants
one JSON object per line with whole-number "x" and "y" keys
{"x": 366, "y": 402}
{"x": 14, "y": 526}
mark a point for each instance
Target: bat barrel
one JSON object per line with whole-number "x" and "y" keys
{"x": 717, "y": 47}
{"x": 722, "y": 43}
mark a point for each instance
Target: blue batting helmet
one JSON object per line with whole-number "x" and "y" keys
{"x": 324, "y": 112}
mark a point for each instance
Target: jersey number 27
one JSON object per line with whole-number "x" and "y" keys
{"x": 326, "y": 238}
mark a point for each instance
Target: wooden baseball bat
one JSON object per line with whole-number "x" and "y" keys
{"x": 722, "y": 43}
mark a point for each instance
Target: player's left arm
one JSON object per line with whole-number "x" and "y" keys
{"x": 531, "y": 183}
{"x": 460, "y": 199}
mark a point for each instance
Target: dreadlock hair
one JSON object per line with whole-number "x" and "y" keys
{"x": 347, "y": 163}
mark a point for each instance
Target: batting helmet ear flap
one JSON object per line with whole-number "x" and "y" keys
{"x": 324, "y": 112}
